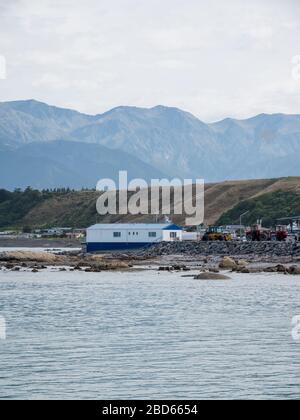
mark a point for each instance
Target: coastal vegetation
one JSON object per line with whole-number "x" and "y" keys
{"x": 16, "y": 206}
{"x": 268, "y": 207}
{"x": 224, "y": 203}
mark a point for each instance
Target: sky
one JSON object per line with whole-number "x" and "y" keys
{"x": 213, "y": 58}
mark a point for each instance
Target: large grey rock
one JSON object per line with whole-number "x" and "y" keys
{"x": 295, "y": 270}
{"x": 228, "y": 263}
{"x": 211, "y": 276}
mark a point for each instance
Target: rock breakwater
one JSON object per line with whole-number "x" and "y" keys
{"x": 257, "y": 249}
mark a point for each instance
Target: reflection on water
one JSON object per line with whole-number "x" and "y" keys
{"x": 148, "y": 335}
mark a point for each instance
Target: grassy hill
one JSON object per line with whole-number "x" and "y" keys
{"x": 268, "y": 207}
{"x": 224, "y": 202}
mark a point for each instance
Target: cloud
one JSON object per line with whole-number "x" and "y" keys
{"x": 215, "y": 59}
{"x": 2, "y": 67}
{"x": 52, "y": 81}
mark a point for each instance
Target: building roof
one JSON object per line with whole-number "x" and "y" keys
{"x": 289, "y": 218}
{"x": 135, "y": 226}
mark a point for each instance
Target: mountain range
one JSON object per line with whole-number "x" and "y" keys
{"x": 46, "y": 146}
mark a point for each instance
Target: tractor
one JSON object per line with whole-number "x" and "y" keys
{"x": 258, "y": 233}
{"x": 281, "y": 233}
{"x": 216, "y": 233}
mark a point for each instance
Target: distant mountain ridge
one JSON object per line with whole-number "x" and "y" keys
{"x": 24, "y": 122}
{"x": 163, "y": 140}
{"x": 67, "y": 164}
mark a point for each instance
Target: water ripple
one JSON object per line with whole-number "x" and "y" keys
{"x": 148, "y": 335}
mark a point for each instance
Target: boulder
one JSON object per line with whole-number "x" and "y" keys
{"x": 276, "y": 269}
{"x": 9, "y": 266}
{"x": 281, "y": 268}
{"x": 23, "y": 256}
{"x": 107, "y": 266}
{"x": 211, "y": 276}
{"x": 227, "y": 263}
{"x": 110, "y": 265}
{"x": 270, "y": 270}
{"x": 214, "y": 270}
{"x": 294, "y": 269}
{"x": 242, "y": 263}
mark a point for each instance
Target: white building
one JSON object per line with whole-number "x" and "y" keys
{"x": 191, "y": 236}
{"x": 105, "y": 237}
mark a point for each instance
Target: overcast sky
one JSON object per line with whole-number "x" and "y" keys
{"x": 214, "y": 58}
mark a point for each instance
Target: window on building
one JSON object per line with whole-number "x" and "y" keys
{"x": 152, "y": 234}
{"x": 173, "y": 235}
{"x": 117, "y": 234}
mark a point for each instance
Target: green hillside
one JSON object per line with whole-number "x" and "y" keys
{"x": 268, "y": 207}
{"x": 16, "y": 208}
{"x": 224, "y": 202}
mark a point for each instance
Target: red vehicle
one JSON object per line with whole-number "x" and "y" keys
{"x": 281, "y": 233}
{"x": 258, "y": 233}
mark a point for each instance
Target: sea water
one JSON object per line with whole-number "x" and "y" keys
{"x": 146, "y": 335}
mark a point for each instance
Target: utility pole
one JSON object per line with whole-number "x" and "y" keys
{"x": 241, "y": 217}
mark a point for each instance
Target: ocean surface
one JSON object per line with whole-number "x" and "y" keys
{"x": 146, "y": 335}
{"x": 48, "y": 249}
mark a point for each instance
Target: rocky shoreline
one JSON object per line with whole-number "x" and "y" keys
{"x": 71, "y": 260}
{"x": 206, "y": 259}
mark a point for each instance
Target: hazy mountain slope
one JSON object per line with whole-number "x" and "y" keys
{"x": 65, "y": 164}
{"x": 160, "y": 136}
{"x": 274, "y": 136}
{"x": 260, "y": 147}
{"x": 29, "y": 121}
{"x": 265, "y": 146}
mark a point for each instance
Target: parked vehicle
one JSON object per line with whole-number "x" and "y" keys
{"x": 216, "y": 233}
{"x": 281, "y": 233}
{"x": 259, "y": 233}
